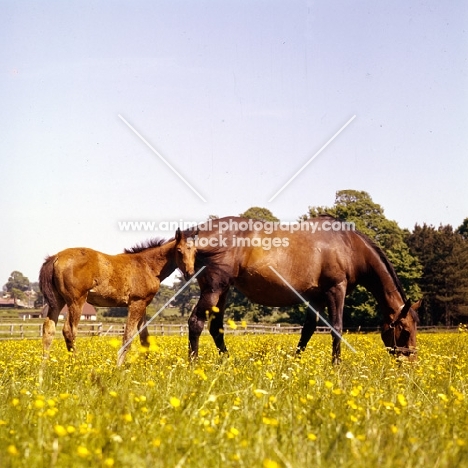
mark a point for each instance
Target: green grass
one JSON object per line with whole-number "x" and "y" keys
{"x": 261, "y": 407}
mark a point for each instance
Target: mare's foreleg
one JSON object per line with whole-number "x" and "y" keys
{"x": 199, "y": 315}
{"x": 336, "y": 297}
{"x": 216, "y": 321}
{"x": 49, "y": 326}
{"x": 310, "y": 325}
{"x": 70, "y": 327}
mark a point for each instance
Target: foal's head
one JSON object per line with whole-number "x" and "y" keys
{"x": 185, "y": 254}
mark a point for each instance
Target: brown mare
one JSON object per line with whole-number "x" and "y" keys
{"x": 131, "y": 279}
{"x": 320, "y": 260}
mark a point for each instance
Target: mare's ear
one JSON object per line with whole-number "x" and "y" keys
{"x": 405, "y": 310}
{"x": 178, "y": 235}
{"x": 417, "y": 305}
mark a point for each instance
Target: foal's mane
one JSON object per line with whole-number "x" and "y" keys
{"x": 148, "y": 244}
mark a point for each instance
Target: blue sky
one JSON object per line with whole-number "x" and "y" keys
{"x": 237, "y": 96}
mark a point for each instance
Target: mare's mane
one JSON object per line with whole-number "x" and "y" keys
{"x": 384, "y": 259}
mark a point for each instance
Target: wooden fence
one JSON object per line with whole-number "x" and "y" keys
{"x": 33, "y": 330}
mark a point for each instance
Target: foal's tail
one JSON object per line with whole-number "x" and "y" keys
{"x": 46, "y": 282}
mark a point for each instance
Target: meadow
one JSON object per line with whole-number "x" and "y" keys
{"x": 260, "y": 407}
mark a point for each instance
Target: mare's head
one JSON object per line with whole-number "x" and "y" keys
{"x": 399, "y": 334}
{"x": 185, "y": 253}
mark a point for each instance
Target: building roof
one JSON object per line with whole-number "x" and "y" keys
{"x": 88, "y": 310}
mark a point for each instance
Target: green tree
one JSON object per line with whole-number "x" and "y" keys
{"x": 369, "y": 218}
{"x": 444, "y": 283}
{"x": 262, "y": 214}
{"x": 463, "y": 229}
{"x": 188, "y": 298}
{"x": 16, "y": 285}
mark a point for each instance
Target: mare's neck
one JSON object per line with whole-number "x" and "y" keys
{"x": 382, "y": 284}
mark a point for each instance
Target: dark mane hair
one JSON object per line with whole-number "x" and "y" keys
{"x": 148, "y": 244}
{"x": 385, "y": 261}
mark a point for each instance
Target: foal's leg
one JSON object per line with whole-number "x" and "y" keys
{"x": 196, "y": 322}
{"x": 48, "y": 328}
{"x": 143, "y": 330}
{"x": 308, "y": 330}
{"x": 216, "y": 320}
{"x": 70, "y": 327}
{"x": 335, "y": 298}
{"x": 136, "y": 311}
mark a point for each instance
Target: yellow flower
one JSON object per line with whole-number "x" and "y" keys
{"x": 175, "y": 402}
{"x": 39, "y": 404}
{"x": 60, "y": 430}
{"x": 113, "y": 393}
{"x": 443, "y": 397}
{"x": 232, "y": 324}
{"x": 200, "y": 373}
{"x": 127, "y": 417}
{"x": 12, "y": 450}
{"x": 233, "y": 432}
{"x": 82, "y": 451}
{"x": 311, "y": 436}
{"x": 402, "y": 400}
{"x": 115, "y": 343}
{"x": 109, "y": 462}
{"x": 267, "y": 463}
{"x": 215, "y": 309}
{"x": 258, "y": 392}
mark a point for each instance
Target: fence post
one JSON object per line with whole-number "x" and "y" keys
{"x": 11, "y": 329}
{"x": 22, "y": 331}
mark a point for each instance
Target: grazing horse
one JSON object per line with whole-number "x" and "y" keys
{"x": 131, "y": 279}
{"x": 320, "y": 261}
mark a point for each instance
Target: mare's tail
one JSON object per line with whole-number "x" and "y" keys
{"x": 46, "y": 282}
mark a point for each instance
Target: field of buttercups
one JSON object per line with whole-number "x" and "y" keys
{"x": 260, "y": 407}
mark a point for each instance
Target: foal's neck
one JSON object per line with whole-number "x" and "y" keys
{"x": 161, "y": 260}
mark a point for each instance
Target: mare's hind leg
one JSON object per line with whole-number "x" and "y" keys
{"x": 308, "y": 330}
{"x": 196, "y": 321}
{"x": 48, "y": 328}
{"x": 216, "y": 320}
{"x": 70, "y": 327}
{"x": 136, "y": 312}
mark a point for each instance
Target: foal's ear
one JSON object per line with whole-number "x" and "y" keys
{"x": 178, "y": 235}
{"x": 417, "y": 305}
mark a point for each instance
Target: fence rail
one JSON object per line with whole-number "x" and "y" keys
{"x": 33, "y": 330}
